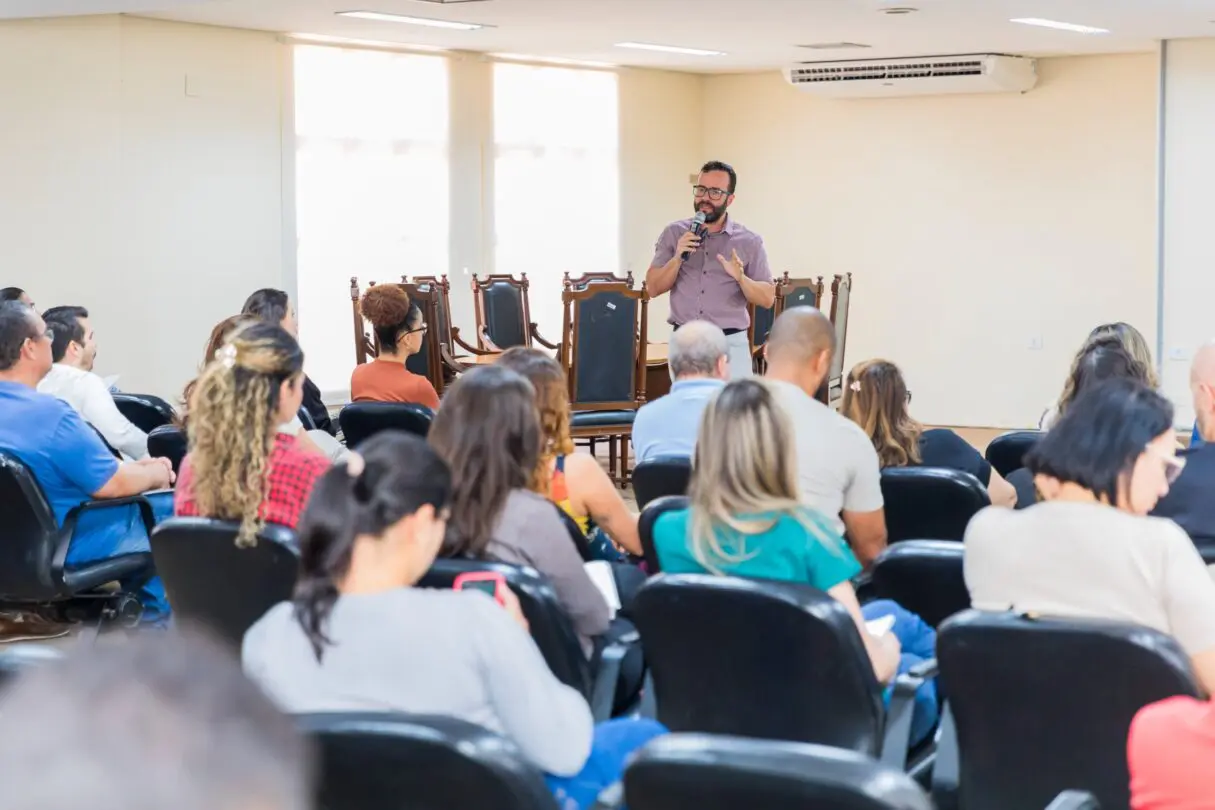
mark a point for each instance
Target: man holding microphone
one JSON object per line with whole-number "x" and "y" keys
{"x": 713, "y": 266}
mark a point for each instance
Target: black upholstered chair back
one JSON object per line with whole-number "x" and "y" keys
{"x": 661, "y": 476}
{"x": 30, "y": 534}
{"x": 374, "y": 761}
{"x": 362, "y": 420}
{"x": 145, "y": 411}
{"x": 548, "y": 622}
{"x": 727, "y": 773}
{"x": 924, "y": 576}
{"x": 930, "y": 503}
{"x": 804, "y": 292}
{"x": 757, "y": 658}
{"x": 169, "y": 441}
{"x": 601, "y": 351}
{"x": 645, "y": 526}
{"x": 1007, "y": 451}
{"x": 211, "y": 581}
{"x": 505, "y": 318}
{"x": 1043, "y": 706}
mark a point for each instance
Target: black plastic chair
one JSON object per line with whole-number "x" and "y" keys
{"x": 211, "y": 581}
{"x": 34, "y": 574}
{"x": 306, "y": 419}
{"x": 769, "y": 660}
{"x": 645, "y": 527}
{"x": 362, "y": 420}
{"x": 1043, "y": 706}
{"x": 168, "y": 441}
{"x": 930, "y": 503}
{"x": 393, "y": 761}
{"x": 145, "y": 411}
{"x": 924, "y": 576}
{"x": 661, "y": 476}
{"x": 1007, "y": 451}
{"x": 580, "y": 540}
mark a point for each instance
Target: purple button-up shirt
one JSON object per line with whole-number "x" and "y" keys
{"x": 703, "y": 289}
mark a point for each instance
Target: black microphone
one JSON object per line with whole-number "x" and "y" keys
{"x": 698, "y": 228}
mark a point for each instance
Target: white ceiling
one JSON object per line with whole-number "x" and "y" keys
{"x": 756, "y": 34}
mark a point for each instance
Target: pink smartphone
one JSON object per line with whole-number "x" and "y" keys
{"x": 485, "y": 581}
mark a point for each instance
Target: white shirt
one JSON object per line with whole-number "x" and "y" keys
{"x": 89, "y": 397}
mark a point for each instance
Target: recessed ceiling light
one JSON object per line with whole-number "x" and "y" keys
{"x": 1060, "y": 26}
{"x": 646, "y": 46}
{"x": 381, "y": 16}
{"x": 550, "y": 60}
{"x": 325, "y": 39}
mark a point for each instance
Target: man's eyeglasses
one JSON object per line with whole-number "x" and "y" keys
{"x": 715, "y": 194}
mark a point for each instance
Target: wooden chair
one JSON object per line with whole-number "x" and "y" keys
{"x": 503, "y": 315}
{"x": 841, "y": 294}
{"x": 603, "y": 350}
{"x": 429, "y": 361}
{"x": 591, "y": 278}
{"x": 761, "y": 320}
{"x": 451, "y": 345}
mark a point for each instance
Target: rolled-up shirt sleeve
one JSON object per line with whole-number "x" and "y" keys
{"x": 664, "y": 248}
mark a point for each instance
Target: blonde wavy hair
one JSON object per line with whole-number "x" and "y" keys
{"x": 744, "y": 477}
{"x": 552, "y": 400}
{"x": 876, "y": 397}
{"x": 1130, "y": 338}
{"x": 234, "y": 421}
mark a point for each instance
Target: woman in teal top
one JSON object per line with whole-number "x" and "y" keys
{"x": 745, "y": 520}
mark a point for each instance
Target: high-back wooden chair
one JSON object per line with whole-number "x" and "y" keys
{"x": 503, "y": 315}
{"x": 841, "y": 295}
{"x": 365, "y": 347}
{"x": 761, "y": 320}
{"x": 579, "y": 282}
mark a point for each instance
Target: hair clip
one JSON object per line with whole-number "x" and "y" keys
{"x": 355, "y": 465}
{"x": 855, "y": 385}
{"x": 227, "y": 356}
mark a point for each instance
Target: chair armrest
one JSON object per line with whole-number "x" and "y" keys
{"x": 897, "y": 740}
{"x": 610, "y": 798}
{"x": 455, "y": 336}
{"x": 535, "y": 330}
{"x": 145, "y": 512}
{"x": 1074, "y": 800}
{"x": 490, "y": 346}
{"x": 450, "y": 361}
{"x": 603, "y": 690}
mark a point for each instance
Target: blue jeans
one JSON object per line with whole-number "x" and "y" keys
{"x": 919, "y": 643}
{"x": 107, "y": 533}
{"x": 613, "y": 743}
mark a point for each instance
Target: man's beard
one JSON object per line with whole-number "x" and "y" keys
{"x": 717, "y": 213}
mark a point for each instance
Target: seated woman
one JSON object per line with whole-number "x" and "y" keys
{"x": 745, "y": 520}
{"x": 1133, "y": 344}
{"x": 1089, "y": 550}
{"x": 573, "y": 481}
{"x": 876, "y": 398}
{"x": 240, "y": 466}
{"x": 360, "y": 637}
{"x": 399, "y": 330}
{"x": 488, "y": 432}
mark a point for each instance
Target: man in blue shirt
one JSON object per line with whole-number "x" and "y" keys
{"x": 698, "y": 358}
{"x": 68, "y": 459}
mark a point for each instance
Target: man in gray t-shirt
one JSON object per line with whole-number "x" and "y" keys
{"x": 838, "y": 470}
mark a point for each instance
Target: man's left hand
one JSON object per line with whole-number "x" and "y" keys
{"x": 733, "y": 265}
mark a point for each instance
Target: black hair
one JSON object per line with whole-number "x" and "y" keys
{"x": 65, "y": 321}
{"x": 16, "y": 327}
{"x": 267, "y": 304}
{"x": 400, "y": 475}
{"x": 718, "y": 166}
{"x": 11, "y": 294}
{"x": 1103, "y": 433}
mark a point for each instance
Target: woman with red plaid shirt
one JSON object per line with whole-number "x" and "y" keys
{"x": 240, "y": 467}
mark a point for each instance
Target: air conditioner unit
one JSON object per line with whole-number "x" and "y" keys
{"x": 919, "y": 76}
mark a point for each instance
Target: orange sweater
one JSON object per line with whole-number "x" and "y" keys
{"x": 388, "y": 381}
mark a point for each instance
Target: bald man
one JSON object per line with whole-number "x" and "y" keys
{"x": 1189, "y": 502}
{"x": 838, "y": 470}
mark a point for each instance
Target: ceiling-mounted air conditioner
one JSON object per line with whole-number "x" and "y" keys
{"x": 917, "y": 76}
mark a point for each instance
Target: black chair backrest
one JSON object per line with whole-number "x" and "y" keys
{"x": 549, "y": 624}
{"x": 580, "y": 540}
{"x": 663, "y": 475}
{"x": 1007, "y": 451}
{"x": 393, "y": 761}
{"x": 504, "y": 318}
{"x": 930, "y": 503}
{"x": 924, "y": 576}
{"x": 211, "y": 581}
{"x": 362, "y": 420}
{"x": 1043, "y": 706}
{"x": 145, "y": 411}
{"x": 645, "y": 526}
{"x": 106, "y": 442}
{"x": 169, "y": 441}
{"x": 30, "y": 535}
{"x": 725, "y": 773}
{"x": 306, "y": 419}
{"x": 757, "y": 658}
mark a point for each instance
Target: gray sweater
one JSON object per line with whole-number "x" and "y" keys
{"x": 454, "y": 653}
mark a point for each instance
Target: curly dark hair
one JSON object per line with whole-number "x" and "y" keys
{"x": 390, "y": 311}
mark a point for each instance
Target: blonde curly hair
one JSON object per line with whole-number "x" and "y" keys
{"x": 553, "y": 402}
{"x": 234, "y": 421}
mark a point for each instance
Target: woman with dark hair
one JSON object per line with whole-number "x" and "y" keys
{"x": 275, "y": 306}
{"x": 399, "y": 331}
{"x": 1125, "y": 337}
{"x": 1089, "y": 550}
{"x": 488, "y": 432}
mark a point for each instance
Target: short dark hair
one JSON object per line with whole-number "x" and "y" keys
{"x": 65, "y": 322}
{"x": 16, "y": 327}
{"x": 718, "y": 166}
{"x": 11, "y": 294}
{"x": 268, "y": 304}
{"x": 1098, "y": 440}
{"x": 161, "y": 720}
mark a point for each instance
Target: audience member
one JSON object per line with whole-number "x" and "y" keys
{"x": 275, "y": 306}
{"x": 838, "y": 471}
{"x": 698, "y": 356}
{"x": 746, "y": 520}
{"x": 155, "y": 721}
{"x": 876, "y": 398}
{"x": 573, "y": 481}
{"x": 68, "y": 458}
{"x": 16, "y": 294}
{"x": 1088, "y": 550}
{"x": 1189, "y": 503}
{"x": 488, "y": 432}
{"x": 1132, "y": 343}
{"x": 1170, "y": 749}
{"x": 71, "y": 379}
{"x": 359, "y": 636}
{"x": 240, "y": 465}
{"x": 399, "y": 331}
